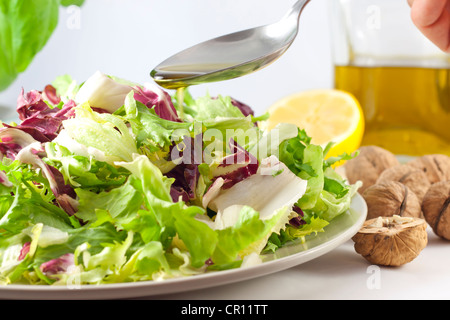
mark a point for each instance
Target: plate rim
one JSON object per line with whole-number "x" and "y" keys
{"x": 201, "y": 281}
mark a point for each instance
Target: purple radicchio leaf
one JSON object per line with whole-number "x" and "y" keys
{"x": 13, "y": 140}
{"x": 237, "y": 166}
{"x": 186, "y": 177}
{"x": 31, "y": 103}
{"x": 22, "y": 147}
{"x": 64, "y": 193}
{"x": 37, "y": 134}
{"x": 50, "y": 94}
{"x": 154, "y": 97}
{"x": 24, "y": 251}
{"x": 39, "y": 119}
{"x": 297, "y": 221}
{"x": 4, "y": 180}
{"x": 245, "y": 109}
{"x": 186, "y": 173}
{"x": 58, "y": 265}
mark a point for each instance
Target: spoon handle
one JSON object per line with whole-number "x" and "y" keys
{"x": 296, "y": 10}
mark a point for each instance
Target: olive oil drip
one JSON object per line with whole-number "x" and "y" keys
{"x": 180, "y": 99}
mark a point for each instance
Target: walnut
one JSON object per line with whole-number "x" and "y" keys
{"x": 368, "y": 165}
{"x": 435, "y": 166}
{"x": 414, "y": 178}
{"x": 391, "y": 198}
{"x": 391, "y": 241}
{"x": 436, "y": 208}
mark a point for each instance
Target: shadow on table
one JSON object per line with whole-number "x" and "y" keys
{"x": 436, "y": 241}
{"x": 343, "y": 259}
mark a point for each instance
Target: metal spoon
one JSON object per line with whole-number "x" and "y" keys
{"x": 230, "y": 56}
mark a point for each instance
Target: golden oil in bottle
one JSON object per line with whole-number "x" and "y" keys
{"x": 406, "y": 109}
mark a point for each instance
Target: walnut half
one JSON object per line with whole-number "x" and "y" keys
{"x": 436, "y": 208}
{"x": 391, "y": 241}
{"x": 391, "y": 198}
{"x": 368, "y": 165}
{"x": 435, "y": 166}
{"x": 414, "y": 178}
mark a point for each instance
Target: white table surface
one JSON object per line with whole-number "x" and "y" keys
{"x": 343, "y": 274}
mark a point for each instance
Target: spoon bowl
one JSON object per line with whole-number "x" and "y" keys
{"x": 230, "y": 56}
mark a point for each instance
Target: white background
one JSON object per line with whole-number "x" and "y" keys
{"x": 127, "y": 38}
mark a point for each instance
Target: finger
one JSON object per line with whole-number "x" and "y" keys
{"x": 438, "y": 29}
{"x": 410, "y": 2}
{"x": 425, "y": 13}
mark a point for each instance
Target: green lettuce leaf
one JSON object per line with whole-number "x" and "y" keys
{"x": 205, "y": 108}
{"x": 151, "y": 131}
{"x": 198, "y": 237}
{"x": 308, "y": 162}
{"x": 28, "y": 200}
{"x": 121, "y": 201}
{"x": 174, "y": 218}
{"x": 336, "y": 196}
{"x": 104, "y": 133}
{"x": 67, "y": 3}
{"x": 65, "y": 87}
{"x": 28, "y": 208}
{"x": 84, "y": 172}
{"x": 245, "y": 236}
{"x": 96, "y": 238}
{"x": 151, "y": 258}
{"x": 25, "y": 28}
{"x": 292, "y": 233}
{"x": 313, "y": 161}
{"x": 327, "y": 194}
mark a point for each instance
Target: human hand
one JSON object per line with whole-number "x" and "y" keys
{"x": 432, "y": 18}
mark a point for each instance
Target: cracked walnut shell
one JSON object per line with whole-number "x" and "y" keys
{"x": 391, "y": 198}
{"x": 436, "y": 208}
{"x": 435, "y": 166}
{"x": 391, "y": 241}
{"x": 414, "y": 178}
{"x": 368, "y": 165}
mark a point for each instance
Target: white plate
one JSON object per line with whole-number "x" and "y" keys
{"x": 340, "y": 230}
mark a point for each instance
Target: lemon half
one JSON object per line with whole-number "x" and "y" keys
{"x": 327, "y": 115}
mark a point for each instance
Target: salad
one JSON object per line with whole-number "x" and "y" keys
{"x": 111, "y": 181}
